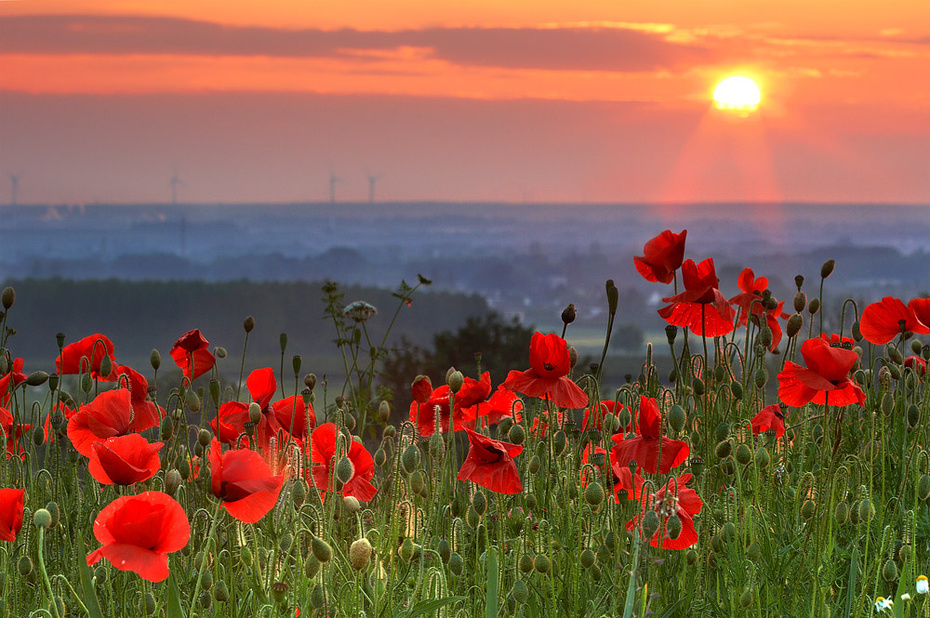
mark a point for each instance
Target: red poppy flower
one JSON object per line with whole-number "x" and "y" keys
{"x": 675, "y": 497}
{"x": 233, "y": 415}
{"x": 124, "y": 460}
{"x": 433, "y": 414}
{"x": 664, "y": 254}
{"x": 750, "y": 302}
{"x": 826, "y": 378}
{"x": 701, "y": 307}
{"x": 137, "y": 532}
{"x": 490, "y": 463}
{"x": 191, "y": 353}
{"x": 145, "y": 411}
{"x": 644, "y": 448}
{"x": 243, "y": 480}
{"x": 540, "y": 424}
{"x": 14, "y": 434}
{"x": 921, "y": 308}
{"x": 11, "y": 513}
{"x": 547, "y": 376}
{"x": 109, "y": 414}
{"x": 769, "y": 417}
{"x": 621, "y": 475}
{"x": 421, "y": 389}
{"x": 91, "y": 347}
{"x": 323, "y": 450}
{"x": 504, "y": 403}
{"x": 836, "y": 341}
{"x": 435, "y": 409}
{"x": 918, "y": 364}
{"x": 10, "y": 381}
{"x": 295, "y": 417}
{"x": 883, "y": 321}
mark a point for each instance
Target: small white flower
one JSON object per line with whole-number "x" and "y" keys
{"x": 881, "y": 604}
{"x": 906, "y": 596}
{"x": 923, "y": 586}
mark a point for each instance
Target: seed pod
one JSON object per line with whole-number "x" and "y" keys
{"x": 743, "y": 454}
{"x": 569, "y": 314}
{"x": 587, "y": 558}
{"x": 671, "y": 332}
{"x": 321, "y": 549}
{"x": 542, "y": 564}
{"x": 517, "y": 434}
{"x": 410, "y": 459}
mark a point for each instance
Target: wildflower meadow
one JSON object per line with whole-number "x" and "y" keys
{"x": 778, "y": 469}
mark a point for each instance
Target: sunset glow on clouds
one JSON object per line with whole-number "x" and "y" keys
{"x": 845, "y": 91}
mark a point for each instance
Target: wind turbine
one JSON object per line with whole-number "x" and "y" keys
{"x": 333, "y": 179}
{"x": 371, "y": 187}
{"x": 175, "y": 182}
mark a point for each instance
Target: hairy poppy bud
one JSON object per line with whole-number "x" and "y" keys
{"x": 417, "y": 482}
{"x": 698, "y": 385}
{"x": 889, "y": 571}
{"x": 172, "y": 482}
{"x": 762, "y": 457}
{"x": 800, "y": 301}
{"x": 569, "y": 314}
{"x": 384, "y": 411}
{"x": 650, "y": 523}
{"x": 808, "y": 508}
{"x": 517, "y": 434}
{"x": 841, "y": 513}
{"x": 317, "y": 597}
{"x": 283, "y": 341}
{"x": 321, "y": 549}
{"x": 520, "y": 592}
{"x": 887, "y": 404}
{"x": 8, "y": 297}
{"x": 723, "y": 449}
{"x": 765, "y": 337}
{"x": 673, "y": 526}
{"x": 827, "y": 269}
{"x": 42, "y": 518}
{"x": 754, "y": 552}
{"x": 573, "y": 356}
{"x": 587, "y": 558}
{"x": 410, "y": 458}
{"x": 155, "y": 359}
{"x": 479, "y": 502}
{"x": 866, "y": 510}
{"x": 360, "y": 553}
{"x": 192, "y": 401}
{"x": 106, "y": 367}
{"x": 795, "y": 322}
{"x": 761, "y": 377}
{"x": 38, "y": 378}
{"x": 455, "y": 380}
{"x": 444, "y": 550}
{"x": 406, "y": 550}
{"x": 221, "y": 592}
{"x": 691, "y": 557}
{"x": 456, "y": 564}
{"x": 25, "y": 566}
{"x": 541, "y": 563}
{"x": 671, "y": 332}
{"x": 311, "y": 566}
{"x": 345, "y": 470}
{"x": 814, "y": 306}
{"x": 594, "y": 494}
{"x": 743, "y": 454}
{"x": 535, "y": 464}
{"x": 745, "y": 599}
{"x": 255, "y": 412}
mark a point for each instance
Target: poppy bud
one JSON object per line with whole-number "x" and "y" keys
{"x": 723, "y": 449}
{"x": 172, "y": 482}
{"x": 808, "y": 508}
{"x": 673, "y": 526}
{"x": 106, "y": 366}
{"x": 535, "y": 464}
{"x": 255, "y": 412}
{"x": 650, "y": 523}
{"x": 345, "y": 469}
{"x": 765, "y": 337}
{"x": 456, "y": 564}
{"x": 520, "y": 592}
{"x": 444, "y": 550}
{"x": 827, "y": 269}
{"x": 221, "y": 592}
{"x": 890, "y": 571}
{"x": 360, "y": 553}
{"x": 569, "y": 314}
{"x": 311, "y": 566}
{"x": 696, "y": 465}
{"x": 913, "y": 415}
{"x": 691, "y": 557}
{"x": 814, "y": 306}
{"x": 480, "y": 502}
{"x": 417, "y": 482}
{"x": 517, "y": 434}
{"x": 472, "y": 518}
{"x": 573, "y": 357}
{"x": 866, "y": 510}
{"x": 719, "y": 373}
{"x": 317, "y": 597}
{"x": 422, "y": 388}
{"x": 455, "y": 380}
{"x": 795, "y": 322}
{"x": 743, "y": 454}
{"x": 384, "y": 411}
{"x": 8, "y": 297}
{"x": 406, "y": 550}
{"x": 38, "y": 378}
{"x": 671, "y": 332}
{"x": 207, "y": 578}
{"x": 745, "y": 599}
{"x": 283, "y": 341}
{"x": 541, "y": 563}
{"x": 754, "y": 552}
{"x": 594, "y": 494}
{"x": 923, "y": 487}
{"x": 410, "y": 458}
{"x": 321, "y": 549}
{"x": 737, "y": 389}
{"x": 698, "y": 385}
{"x": 532, "y": 501}
{"x": 42, "y": 518}
{"x": 25, "y": 566}
{"x": 192, "y": 401}
{"x": 841, "y": 513}
{"x": 887, "y": 404}
{"x": 55, "y": 512}
{"x": 762, "y": 457}
{"x": 613, "y": 296}
{"x": 587, "y": 558}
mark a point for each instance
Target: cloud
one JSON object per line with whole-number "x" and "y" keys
{"x": 595, "y": 47}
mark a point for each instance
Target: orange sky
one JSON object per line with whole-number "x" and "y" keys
{"x": 845, "y": 113}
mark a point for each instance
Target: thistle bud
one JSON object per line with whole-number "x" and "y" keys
{"x": 827, "y": 269}
{"x": 569, "y": 314}
{"x": 321, "y": 549}
{"x": 345, "y": 469}
{"x": 255, "y": 412}
{"x": 455, "y": 380}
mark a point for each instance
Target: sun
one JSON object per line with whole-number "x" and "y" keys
{"x": 738, "y": 93}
